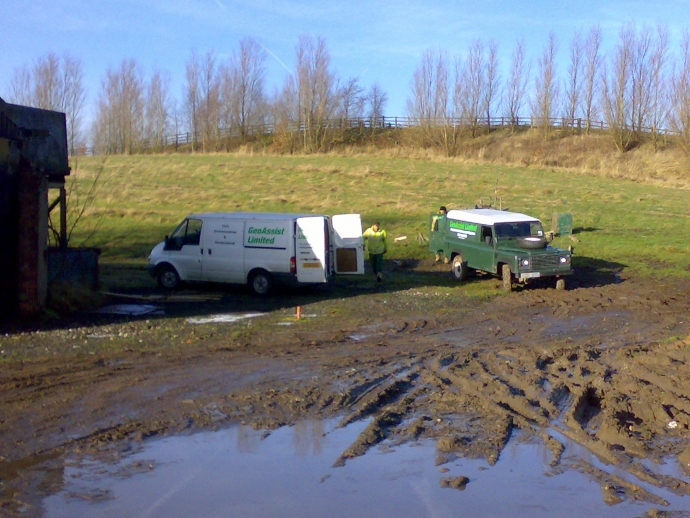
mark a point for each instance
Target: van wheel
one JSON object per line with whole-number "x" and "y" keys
{"x": 560, "y": 284}
{"x": 260, "y": 283}
{"x": 507, "y": 278}
{"x": 459, "y": 269}
{"x": 168, "y": 277}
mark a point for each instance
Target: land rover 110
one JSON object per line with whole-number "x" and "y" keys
{"x": 510, "y": 245}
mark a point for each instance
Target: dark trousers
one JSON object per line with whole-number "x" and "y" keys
{"x": 376, "y": 262}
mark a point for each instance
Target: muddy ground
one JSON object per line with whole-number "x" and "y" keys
{"x": 605, "y": 364}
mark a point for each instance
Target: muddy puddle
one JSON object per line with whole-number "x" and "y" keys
{"x": 290, "y": 471}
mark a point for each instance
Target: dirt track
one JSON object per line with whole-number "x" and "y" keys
{"x": 606, "y": 366}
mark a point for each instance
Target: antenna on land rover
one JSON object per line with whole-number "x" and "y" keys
{"x": 500, "y": 200}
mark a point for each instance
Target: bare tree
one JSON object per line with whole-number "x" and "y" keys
{"x": 315, "y": 88}
{"x": 641, "y": 77}
{"x": 119, "y": 123}
{"x": 243, "y": 94}
{"x": 679, "y": 114}
{"x": 53, "y": 83}
{"x": 470, "y": 86}
{"x": 285, "y": 115}
{"x": 618, "y": 90}
{"x": 431, "y": 102}
{"x": 74, "y": 100}
{"x": 376, "y": 100}
{"x": 591, "y": 71}
{"x": 192, "y": 96}
{"x": 658, "y": 82}
{"x": 573, "y": 83}
{"x": 157, "y": 108}
{"x": 351, "y": 99}
{"x": 491, "y": 81}
{"x": 47, "y": 87}
{"x": 516, "y": 86}
{"x": 546, "y": 86}
{"x": 21, "y": 87}
{"x": 209, "y": 105}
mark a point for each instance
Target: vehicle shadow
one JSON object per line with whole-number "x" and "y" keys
{"x": 580, "y": 230}
{"x": 588, "y": 272}
{"x": 128, "y": 293}
{"x": 133, "y": 295}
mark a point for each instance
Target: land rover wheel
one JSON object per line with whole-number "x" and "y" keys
{"x": 168, "y": 277}
{"x": 507, "y": 277}
{"x": 531, "y": 242}
{"x": 459, "y": 269}
{"x": 560, "y": 284}
{"x": 261, "y": 283}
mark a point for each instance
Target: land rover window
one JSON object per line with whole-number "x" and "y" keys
{"x": 518, "y": 229}
{"x": 487, "y": 236}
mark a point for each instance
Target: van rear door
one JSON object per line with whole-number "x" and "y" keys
{"x": 348, "y": 244}
{"x": 310, "y": 249}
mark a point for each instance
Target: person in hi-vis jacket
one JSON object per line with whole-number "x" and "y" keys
{"x": 434, "y": 227}
{"x": 376, "y": 244}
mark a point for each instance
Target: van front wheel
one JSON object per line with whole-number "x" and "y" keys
{"x": 168, "y": 277}
{"x": 260, "y": 283}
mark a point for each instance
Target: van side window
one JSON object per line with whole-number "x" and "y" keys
{"x": 187, "y": 233}
{"x": 193, "y": 236}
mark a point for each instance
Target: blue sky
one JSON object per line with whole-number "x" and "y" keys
{"x": 375, "y": 40}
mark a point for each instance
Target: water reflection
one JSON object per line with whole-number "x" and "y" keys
{"x": 288, "y": 472}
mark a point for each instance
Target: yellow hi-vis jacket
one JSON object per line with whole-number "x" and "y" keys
{"x": 375, "y": 241}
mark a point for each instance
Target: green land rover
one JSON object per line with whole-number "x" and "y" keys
{"x": 507, "y": 244}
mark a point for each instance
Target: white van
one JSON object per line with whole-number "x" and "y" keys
{"x": 259, "y": 249}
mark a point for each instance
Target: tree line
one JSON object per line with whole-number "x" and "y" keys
{"x": 639, "y": 88}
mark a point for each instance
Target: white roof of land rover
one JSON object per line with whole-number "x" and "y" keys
{"x": 488, "y": 216}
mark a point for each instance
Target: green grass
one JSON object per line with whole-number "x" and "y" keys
{"x": 619, "y": 224}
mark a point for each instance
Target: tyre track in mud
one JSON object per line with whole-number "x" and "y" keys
{"x": 615, "y": 399}
{"x": 592, "y": 367}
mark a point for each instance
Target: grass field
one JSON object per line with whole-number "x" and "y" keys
{"x": 638, "y": 227}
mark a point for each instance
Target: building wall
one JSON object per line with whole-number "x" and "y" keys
{"x": 33, "y": 240}
{"x": 9, "y": 230}
{"x": 33, "y": 153}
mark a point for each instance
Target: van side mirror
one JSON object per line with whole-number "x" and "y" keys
{"x": 173, "y": 243}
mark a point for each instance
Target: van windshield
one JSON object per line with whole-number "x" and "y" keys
{"x": 520, "y": 229}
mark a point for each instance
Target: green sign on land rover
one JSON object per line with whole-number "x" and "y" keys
{"x": 508, "y": 244}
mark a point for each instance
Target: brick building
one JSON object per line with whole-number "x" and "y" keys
{"x": 33, "y": 159}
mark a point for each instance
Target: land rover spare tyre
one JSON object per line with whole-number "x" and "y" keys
{"x": 531, "y": 242}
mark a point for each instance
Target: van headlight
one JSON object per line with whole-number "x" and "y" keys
{"x": 524, "y": 263}
{"x": 565, "y": 260}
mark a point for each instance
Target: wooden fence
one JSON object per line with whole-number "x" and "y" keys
{"x": 383, "y": 122}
